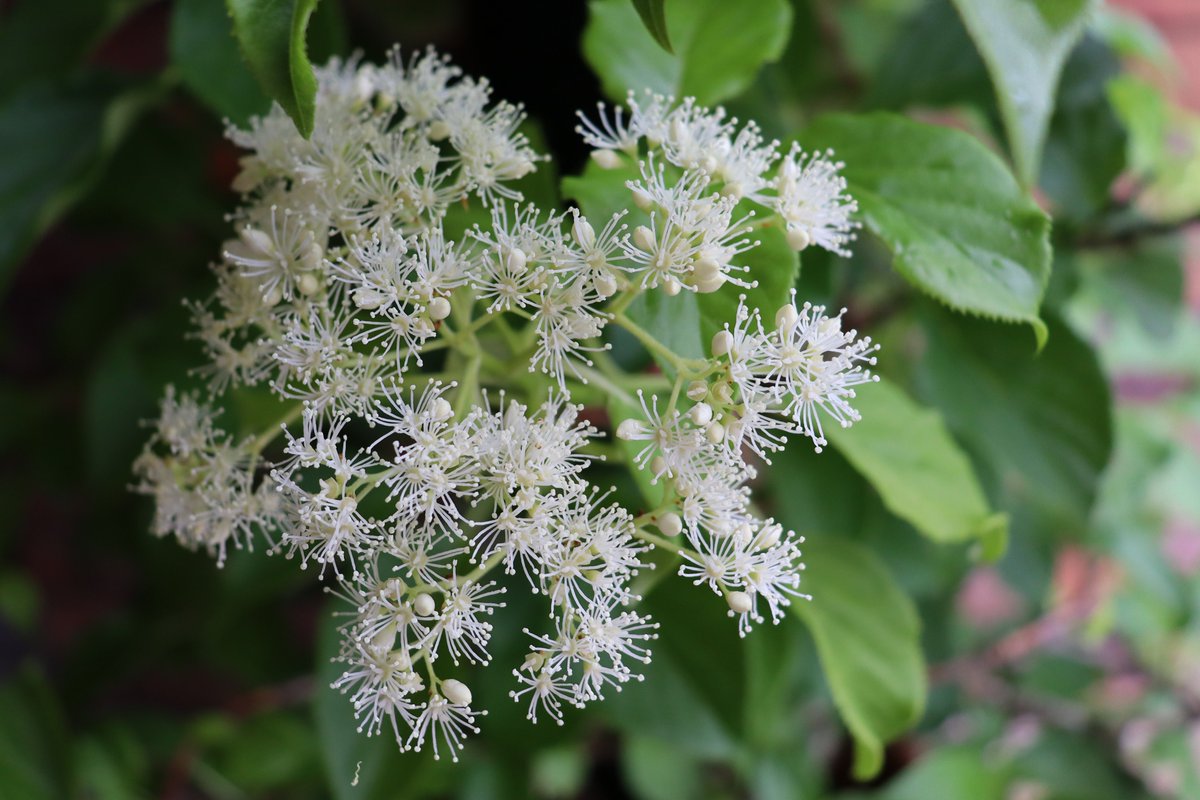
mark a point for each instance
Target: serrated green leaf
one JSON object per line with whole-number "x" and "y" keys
{"x": 908, "y": 455}
{"x": 1025, "y": 44}
{"x": 868, "y": 638}
{"x": 718, "y": 46}
{"x": 958, "y": 225}
{"x": 271, "y": 34}
{"x": 655, "y": 20}
{"x": 204, "y": 51}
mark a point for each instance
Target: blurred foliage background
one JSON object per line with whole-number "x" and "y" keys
{"x": 1067, "y": 669}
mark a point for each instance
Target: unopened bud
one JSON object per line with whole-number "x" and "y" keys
{"x": 309, "y": 283}
{"x": 701, "y": 414}
{"x": 606, "y": 159}
{"x": 715, "y": 432}
{"x": 798, "y": 239}
{"x": 642, "y": 199}
{"x": 583, "y": 232}
{"x": 658, "y": 465}
{"x": 604, "y": 284}
{"x": 257, "y": 240}
{"x": 670, "y": 286}
{"x": 438, "y": 130}
{"x": 739, "y": 602}
{"x": 456, "y": 692}
{"x": 697, "y": 391}
{"x": 516, "y": 260}
{"x": 722, "y": 342}
{"x": 670, "y": 524}
{"x": 786, "y": 317}
{"x": 439, "y": 308}
{"x": 423, "y": 605}
{"x": 643, "y": 237}
{"x": 628, "y": 429}
{"x": 441, "y": 410}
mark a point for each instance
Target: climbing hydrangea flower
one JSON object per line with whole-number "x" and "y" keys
{"x": 439, "y": 348}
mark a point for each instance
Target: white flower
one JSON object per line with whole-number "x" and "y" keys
{"x": 811, "y": 198}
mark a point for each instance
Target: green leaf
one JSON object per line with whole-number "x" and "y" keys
{"x": 1086, "y": 144}
{"x": 65, "y": 134}
{"x": 205, "y": 53}
{"x": 718, "y": 46}
{"x": 868, "y": 638}
{"x": 1024, "y": 44}
{"x": 34, "y": 744}
{"x": 950, "y": 772}
{"x": 1040, "y": 424}
{"x": 958, "y": 225}
{"x": 272, "y": 37}
{"x": 908, "y": 455}
{"x": 654, "y": 18}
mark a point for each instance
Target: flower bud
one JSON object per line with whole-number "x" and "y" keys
{"x": 456, "y": 692}
{"x": 423, "y": 604}
{"x": 798, "y": 239}
{"x": 642, "y": 199}
{"x": 438, "y": 130}
{"x": 441, "y": 410}
{"x": 722, "y": 393}
{"x": 715, "y": 432}
{"x": 309, "y": 283}
{"x": 670, "y": 286}
{"x": 697, "y": 391}
{"x": 786, "y": 317}
{"x": 516, "y": 260}
{"x": 658, "y": 465}
{"x": 604, "y": 284}
{"x": 670, "y": 524}
{"x": 711, "y": 285}
{"x": 722, "y": 342}
{"x": 643, "y": 237}
{"x": 439, "y": 308}
{"x": 584, "y": 233}
{"x": 739, "y": 602}
{"x": 605, "y": 158}
{"x": 701, "y": 414}
{"x": 628, "y": 429}
{"x": 257, "y": 240}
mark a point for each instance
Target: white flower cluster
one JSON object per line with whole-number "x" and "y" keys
{"x": 443, "y": 395}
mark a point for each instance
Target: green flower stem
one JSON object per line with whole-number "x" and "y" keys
{"x": 266, "y": 437}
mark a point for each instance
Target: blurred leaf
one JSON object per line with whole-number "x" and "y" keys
{"x": 1145, "y": 278}
{"x": 1131, "y": 35}
{"x": 931, "y": 61}
{"x": 958, "y": 225}
{"x": 1024, "y": 45}
{"x": 868, "y": 637}
{"x": 1143, "y": 111}
{"x": 949, "y": 772}
{"x": 1041, "y": 423}
{"x": 205, "y": 53}
{"x": 34, "y": 745}
{"x": 654, "y": 18}
{"x": 272, "y": 38}
{"x": 907, "y": 454}
{"x": 654, "y": 770}
{"x": 44, "y": 40}
{"x": 64, "y": 133}
{"x": 1086, "y": 143}
{"x": 718, "y": 46}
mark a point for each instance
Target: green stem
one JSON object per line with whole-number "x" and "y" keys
{"x": 268, "y": 436}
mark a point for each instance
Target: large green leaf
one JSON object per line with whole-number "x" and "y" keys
{"x": 205, "y": 53}
{"x": 718, "y": 46}
{"x": 958, "y": 225}
{"x": 1025, "y": 43}
{"x": 272, "y": 37}
{"x": 908, "y": 455}
{"x": 868, "y": 637}
{"x": 1041, "y": 425}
